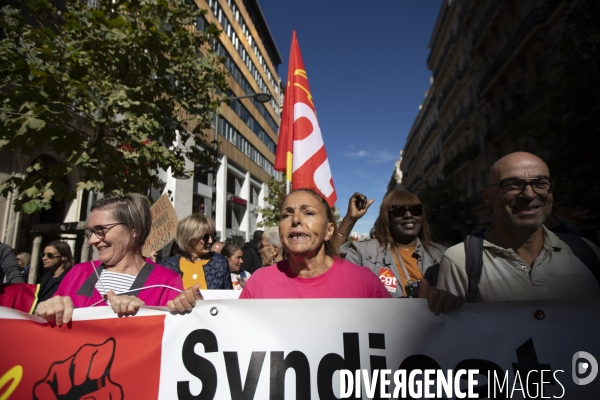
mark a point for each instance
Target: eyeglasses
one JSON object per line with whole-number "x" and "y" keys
{"x": 49, "y": 256}
{"x": 100, "y": 230}
{"x": 543, "y": 185}
{"x": 262, "y": 246}
{"x": 416, "y": 210}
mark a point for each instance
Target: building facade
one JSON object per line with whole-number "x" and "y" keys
{"x": 246, "y": 129}
{"x": 485, "y": 58}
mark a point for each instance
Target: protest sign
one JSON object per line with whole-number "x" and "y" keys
{"x": 164, "y": 225}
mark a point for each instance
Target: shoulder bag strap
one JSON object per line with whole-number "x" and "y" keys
{"x": 474, "y": 264}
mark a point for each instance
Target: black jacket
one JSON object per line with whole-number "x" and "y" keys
{"x": 48, "y": 286}
{"x": 252, "y": 258}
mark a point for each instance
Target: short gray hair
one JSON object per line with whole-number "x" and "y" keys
{"x": 132, "y": 210}
{"x": 272, "y": 237}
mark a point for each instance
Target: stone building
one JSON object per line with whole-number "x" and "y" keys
{"x": 485, "y": 58}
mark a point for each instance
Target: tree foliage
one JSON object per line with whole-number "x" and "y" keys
{"x": 277, "y": 193}
{"x": 445, "y": 207}
{"x": 117, "y": 91}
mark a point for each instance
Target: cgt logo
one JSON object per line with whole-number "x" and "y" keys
{"x": 584, "y": 364}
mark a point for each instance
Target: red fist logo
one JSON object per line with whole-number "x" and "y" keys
{"x": 84, "y": 375}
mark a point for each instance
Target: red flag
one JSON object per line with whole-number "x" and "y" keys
{"x": 300, "y": 148}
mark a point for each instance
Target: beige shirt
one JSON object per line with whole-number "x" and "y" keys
{"x": 557, "y": 274}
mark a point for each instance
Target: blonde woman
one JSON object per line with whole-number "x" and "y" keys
{"x": 198, "y": 265}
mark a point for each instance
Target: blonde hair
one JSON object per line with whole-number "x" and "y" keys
{"x": 190, "y": 229}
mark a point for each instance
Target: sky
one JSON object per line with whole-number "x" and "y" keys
{"x": 367, "y": 68}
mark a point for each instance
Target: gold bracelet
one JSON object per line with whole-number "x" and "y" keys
{"x": 343, "y": 237}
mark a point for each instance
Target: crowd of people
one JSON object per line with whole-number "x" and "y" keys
{"x": 308, "y": 256}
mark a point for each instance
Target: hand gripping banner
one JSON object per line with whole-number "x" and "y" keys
{"x": 300, "y": 148}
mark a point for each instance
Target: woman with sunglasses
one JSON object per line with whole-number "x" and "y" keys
{"x": 57, "y": 259}
{"x": 198, "y": 265}
{"x": 270, "y": 247}
{"x": 122, "y": 277}
{"x": 403, "y": 250}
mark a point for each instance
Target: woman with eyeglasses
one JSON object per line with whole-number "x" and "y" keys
{"x": 122, "y": 277}
{"x": 199, "y": 266}
{"x": 56, "y": 259}
{"x": 270, "y": 247}
{"x": 403, "y": 250}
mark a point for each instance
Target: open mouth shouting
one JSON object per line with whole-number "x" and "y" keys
{"x": 297, "y": 236}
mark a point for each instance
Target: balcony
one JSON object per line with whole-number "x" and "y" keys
{"x": 421, "y": 118}
{"x": 461, "y": 116}
{"x": 415, "y": 182}
{"x": 455, "y": 163}
{"x": 535, "y": 17}
{"x": 410, "y": 164}
{"x": 514, "y": 113}
{"x": 450, "y": 42}
{"x": 448, "y": 88}
{"x": 431, "y": 163}
{"x": 487, "y": 17}
{"x": 427, "y": 136}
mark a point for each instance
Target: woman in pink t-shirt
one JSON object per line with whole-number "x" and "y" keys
{"x": 122, "y": 277}
{"x": 313, "y": 268}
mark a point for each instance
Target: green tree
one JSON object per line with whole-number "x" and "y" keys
{"x": 445, "y": 207}
{"x": 118, "y": 91}
{"x": 277, "y": 193}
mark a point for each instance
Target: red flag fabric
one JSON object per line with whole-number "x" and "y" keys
{"x": 300, "y": 148}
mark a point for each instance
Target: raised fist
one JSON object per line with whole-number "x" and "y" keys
{"x": 84, "y": 375}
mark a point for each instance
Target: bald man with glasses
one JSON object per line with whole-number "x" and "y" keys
{"x": 522, "y": 259}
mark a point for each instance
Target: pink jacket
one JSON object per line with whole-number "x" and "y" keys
{"x": 80, "y": 282}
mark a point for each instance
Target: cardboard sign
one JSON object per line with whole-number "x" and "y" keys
{"x": 164, "y": 225}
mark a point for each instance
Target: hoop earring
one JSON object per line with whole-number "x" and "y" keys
{"x": 273, "y": 258}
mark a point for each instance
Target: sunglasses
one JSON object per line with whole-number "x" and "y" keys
{"x": 205, "y": 238}
{"x": 49, "y": 256}
{"x": 100, "y": 230}
{"x": 399, "y": 210}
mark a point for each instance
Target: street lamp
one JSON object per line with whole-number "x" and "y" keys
{"x": 259, "y": 97}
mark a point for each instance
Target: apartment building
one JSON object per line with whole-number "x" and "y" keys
{"x": 485, "y": 57}
{"x": 246, "y": 129}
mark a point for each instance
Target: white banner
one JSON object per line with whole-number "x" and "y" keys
{"x": 294, "y": 349}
